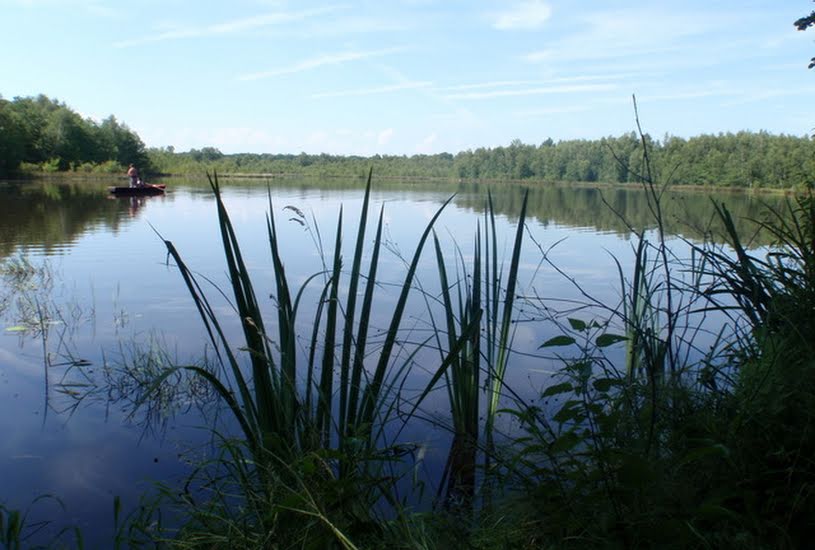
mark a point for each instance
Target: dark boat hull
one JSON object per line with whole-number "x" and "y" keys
{"x": 138, "y": 191}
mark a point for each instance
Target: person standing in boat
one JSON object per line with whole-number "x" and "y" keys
{"x": 133, "y": 174}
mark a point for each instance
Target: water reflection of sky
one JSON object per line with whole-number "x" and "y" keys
{"x": 115, "y": 272}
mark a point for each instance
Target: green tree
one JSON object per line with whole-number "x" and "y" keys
{"x": 125, "y": 147}
{"x": 803, "y": 24}
{"x": 12, "y": 149}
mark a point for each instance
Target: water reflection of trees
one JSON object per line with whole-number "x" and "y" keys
{"x": 687, "y": 212}
{"x": 52, "y": 215}
{"x": 610, "y": 209}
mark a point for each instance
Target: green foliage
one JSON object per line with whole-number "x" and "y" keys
{"x": 678, "y": 453}
{"x": 803, "y": 24}
{"x": 17, "y": 529}
{"x": 11, "y": 526}
{"x": 744, "y": 159}
{"x": 41, "y": 134}
{"x": 11, "y": 139}
{"x": 477, "y": 325}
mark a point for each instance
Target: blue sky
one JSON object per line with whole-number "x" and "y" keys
{"x": 412, "y": 76}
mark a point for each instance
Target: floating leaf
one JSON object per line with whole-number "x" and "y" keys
{"x": 558, "y": 341}
{"x": 605, "y": 340}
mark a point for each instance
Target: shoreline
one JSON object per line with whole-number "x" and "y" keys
{"x": 69, "y": 176}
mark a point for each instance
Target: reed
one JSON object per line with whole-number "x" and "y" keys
{"x": 320, "y": 404}
{"x": 477, "y": 345}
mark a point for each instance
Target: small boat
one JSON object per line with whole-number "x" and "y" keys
{"x": 146, "y": 189}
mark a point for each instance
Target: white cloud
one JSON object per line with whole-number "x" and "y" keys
{"x": 355, "y": 24}
{"x": 539, "y": 82}
{"x": 377, "y": 90}
{"x": 320, "y": 61}
{"x": 481, "y": 85}
{"x": 93, "y": 7}
{"x": 528, "y": 15}
{"x": 749, "y": 96}
{"x": 685, "y": 95}
{"x": 227, "y": 139}
{"x": 539, "y": 56}
{"x": 101, "y": 10}
{"x": 228, "y": 27}
{"x": 631, "y": 33}
{"x": 426, "y": 145}
{"x": 384, "y": 136}
{"x": 318, "y": 138}
{"x": 535, "y": 91}
{"x": 546, "y": 111}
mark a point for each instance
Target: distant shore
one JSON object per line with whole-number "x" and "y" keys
{"x": 74, "y": 176}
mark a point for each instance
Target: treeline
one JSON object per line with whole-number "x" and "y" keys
{"x": 167, "y": 161}
{"x": 743, "y": 159}
{"x": 43, "y": 134}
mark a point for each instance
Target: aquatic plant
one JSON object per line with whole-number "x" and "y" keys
{"x": 477, "y": 324}
{"x": 286, "y": 409}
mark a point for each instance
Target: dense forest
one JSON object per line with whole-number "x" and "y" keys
{"x": 43, "y": 134}
{"x": 743, "y": 159}
{"x": 40, "y": 134}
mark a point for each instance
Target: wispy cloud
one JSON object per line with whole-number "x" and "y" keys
{"x": 751, "y": 96}
{"x": 547, "y": 111}
{"x": 627, "y": 33}
{"x": 372, "y": 91}
{"x": 100, "y": 10}
{"x": 320, "y": 61}
{"x": 610, "y": 77}
{"x": 584, "y": 88}
{"x": 384, "y": 136}
{"x": 686, "y": 95}
{"x": 426, "y": 145}
{"x": 355, "y": 25}
{"x": 93, "y": 7}
{"x": 483, "y": 85}
{"x": 528, "y": 15}
{"x": 229, "y": 27}
{"x": 231, "y": 139}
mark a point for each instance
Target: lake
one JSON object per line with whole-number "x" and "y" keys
{"x": 90, "y": 304}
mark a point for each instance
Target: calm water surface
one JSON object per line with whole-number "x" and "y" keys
{"x": 107, "y": 297}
